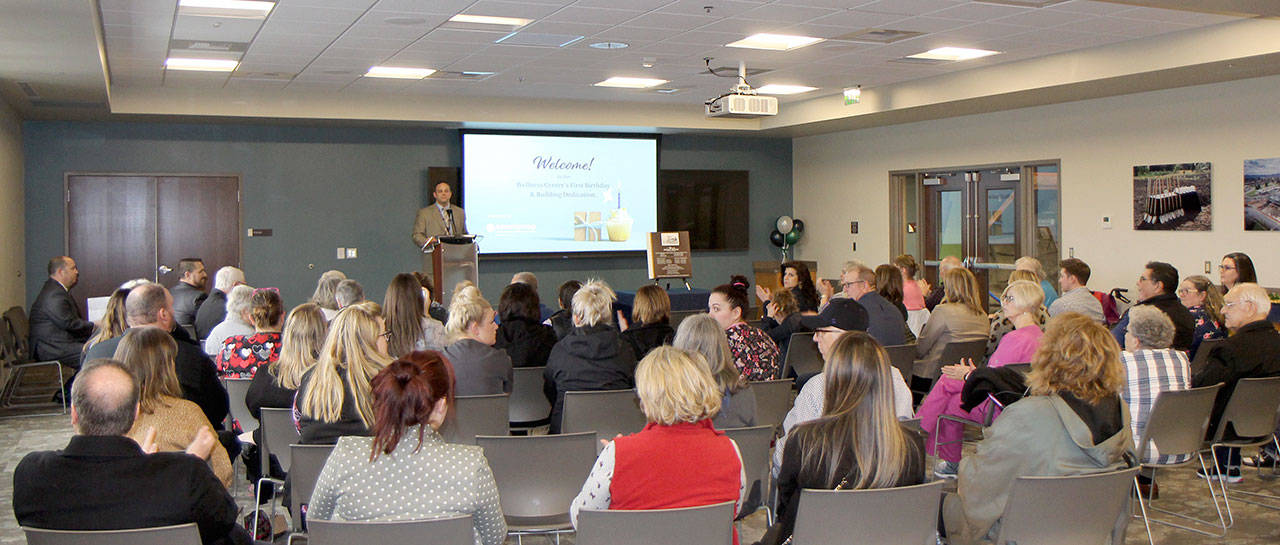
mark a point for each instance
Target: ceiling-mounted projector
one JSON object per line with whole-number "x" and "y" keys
{"x": 741, "y": 101}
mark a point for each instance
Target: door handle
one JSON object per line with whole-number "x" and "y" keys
{"x": 164, "y": 269}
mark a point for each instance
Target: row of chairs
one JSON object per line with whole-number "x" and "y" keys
{"x": 16, "y": 359}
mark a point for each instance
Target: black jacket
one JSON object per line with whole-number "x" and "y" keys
{"x": 645, "y": 337}
{"x": 196, "y": 374}
{"x": 781, "y": 332}
{"x": 107, "y": 483}
{"x": 526, "y": 341}
{"x": 1184, "y": 324}
{"x": 315, "y": 432}
{"x": 589, "y": 358}
{"x": 57, "y": 328}
{"x": 1252, "y": 352}
{"x": 562, "y": 323}
{"x": 186, "y": 302}
{"x": 211, "y": 313}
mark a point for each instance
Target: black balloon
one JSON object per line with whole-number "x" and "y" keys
{"x": 777, "y": 238}
{"x": 797, "y": 225}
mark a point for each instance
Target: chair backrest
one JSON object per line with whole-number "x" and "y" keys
{"x": 1202, "y": 353}
{"x": 278, "y": 432}
{"x": 902, "y": 356}
{"x": 832, "y": 516}
{"x": 754, "y": 444}
{"x": 1177, "y": 421}
{"x": 802, "y": 356}
{"x": 1035, "y": 513}
{"x": 16, "y": 317}
{"x": 477, "y": 415}
{"x": 958, "y": 350}
{"x": 306, "y": 461}
{"x": 236, "y": 390}
{"x": 705, "y": 525}
{"x": 539, "y": 475}
{"x": 181, "y": 534}
{"x": 528, "y": 403}
{"x": 773, "y": 400}
{"x": 457, "y": 530}
{"x": 606, "y": 412}
{"x": 1252, "y": 408}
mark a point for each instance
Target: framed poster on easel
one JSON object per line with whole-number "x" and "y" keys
{"x": 669, "y": 256}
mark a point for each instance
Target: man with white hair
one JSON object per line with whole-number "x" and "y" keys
{"x": 937, "y": 293}
{"x": 214, "y": 308}
{"x": 348, "y": 292}
{"x": 1151, "y": 368}
{"x": 236, "y": 320}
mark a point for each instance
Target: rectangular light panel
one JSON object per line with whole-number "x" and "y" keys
{"x": 630, "y": 83}
{"x": 953, "y": 54}
{"x": 774, "y": 42}
{"x": 203, "y": 65}
{"x": 398, "y": 72}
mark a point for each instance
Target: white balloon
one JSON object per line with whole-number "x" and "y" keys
{"x": 784, "y": 224}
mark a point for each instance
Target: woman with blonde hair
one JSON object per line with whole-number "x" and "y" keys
{"x": 1002, "y": 324}
{"x": 164, "y": 418}
{"x": 1033, "y": 266}
{"x": 1074, "y": 422}
{"x": 858, "y": 442}
{"x": 113, "y": 322}
{"x": 1204, "y": 301}
{"x": 960, "y": 317}
{"x": 333, "y": 396}
{"x": 678, "y": 459}
{"x": 701, "y": 334}
{"x": 326, "y": 287}
{"x": 478, "y": 367}
{"x": 652, "y": 315}
{"x": 409, "y": 327}
{"x": 592, "y": 356}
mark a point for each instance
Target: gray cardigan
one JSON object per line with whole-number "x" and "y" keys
{"x": 480, "y": 369}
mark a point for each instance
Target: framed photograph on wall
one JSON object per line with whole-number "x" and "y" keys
{"x": 1262, "y": 194}
{"x": 1173, "y": 197}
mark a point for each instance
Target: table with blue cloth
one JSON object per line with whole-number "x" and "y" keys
{"x": 681, "y": 299}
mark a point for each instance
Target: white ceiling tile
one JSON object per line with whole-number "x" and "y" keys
{"x": 1107, "y": 25}
{"x": 364, "y": 42}
{"x": 485, "y": 63}
{"x": 123, "y": 31}
{"x": 741, "y": 27}
{"x": 437, "y": 60}
{"x": 699, "y": 37}
{"x": 447, "y": 7}
{"x": 720, "y": 8}
{"x": 672, "y": 21}
{"x": 138, "y": 5}
{"x": 578, "y": 14}
{"x": 221, "y": 29}
{"x": 137, "y": 18}
{"x": 833, "y": 4}
{"x": 462, "y": 36}
{"x": 642, "y": 5}
{"x": 289, "y": 11}
{"x": 571, "y": 29}
{"x": 256, "y": 83}
{"x": 676, "y": 49}
{"x": 361, "y": 55}
{"x": 786, "y": 14}
{"x": 273, "y": 26}
{"x": 979, "y": 12}
{"x": 908, "y": 7}
{"x": 929, "y": 24}
{"x": 856, "y": 20}
{"x": 1092, "y": 8}
{"x": 636, "y": 35}
{"x": 984, "y": 31}
{"x": 374, "y": 24}
{"x": 1043, "y": 18}
{"x": 511, "y": 9}
{"x": 295, "y": 50}
{"x": 347, "y": 4}
{"x": 1175, "y": 16}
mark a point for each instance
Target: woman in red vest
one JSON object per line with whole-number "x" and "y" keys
{"x": 678, "y": 459}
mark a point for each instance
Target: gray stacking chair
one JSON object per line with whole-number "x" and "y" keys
{"x": 181, "y": 534}
{"x": 538, "y": 476}
{"x": 528, "y": 406}
{"x": 874, "y": 516}
{"x": 1035, "y": 511}
{"x": 237, "y": 388}
{"x": 773, "y": 400}
{"x": 1176, "y": 426}
{"x": 457, "y": 530}
{"x": 958, "y": 350}
{"x": 477, "y": 415}
{"x": 1253, "y": 414}
{"x": 305, "y": 464}
{"x": 754, "y": 444}
{"x": 1202, "y": 354}
{"x": 705, "y": 525}
{"x": 15, "y": 356}
{"x": 903, "y": 356}
{"x": 606, "y": 412}
{"x": 802, "y": 357}
{"x": 278, "y": 432}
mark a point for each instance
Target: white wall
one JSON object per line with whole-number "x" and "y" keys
{"x": 843, "y": 176}
{"x": 12, "y": 217}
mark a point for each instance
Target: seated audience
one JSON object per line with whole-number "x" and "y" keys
{"x": 409, "y": 328}
{"x": 679, "y": 459}
{"x": 1019, "y": 304}
{"x": 701, "y": 334}
{"x": 434, "y": 309}
{"x": 592, "y": 356}
{"x": 1204, "y": 301}
{"x": 238, "y": 319}
{"x": 796, "y": 279}
{"x": 349, "y": 292}
{"x": 521, "y": 332}
{"x": 1033, "y": 266}
{"x": 1072, "y": 423}
{"x": 857, "y": 443}
{"x": 782, "y": 318}
{"x": 1073, "y": 275}
{"x": 214, "y": 308}
{"x": 889, "y": 286}
{"x": 164, "y": 418}
{"x": 884, "y": 323}
{"x": 479, "y": 368}
{"x": 1236, "y": 268}
{"x": 936, "y": 293}
{"x": 912, "y": 295}
{"x": 529, "y": 279}
{"x": 652, "y": 315}
{"x": 1156, "y": 287}
{"x": 754, "y": 353}
{"x": 959, "y": 318}
{"x": 188, "y": 293}
{"x": 326, "y": 287}
{"x": 117, "y": 483}
{"x": 333, "y": 396}
{"x": 1150, "y": 368}
{"x": 1249, "y": 352}
{"x": 562, "y": 320}
{"x": 411, "y": 397}
{"x": 1002, "y": 324}
{"x": 241, "y": 355}
{"x": 114, "y": 319}
{"x": 58, "y": 330}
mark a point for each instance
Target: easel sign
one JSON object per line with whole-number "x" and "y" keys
{"x": 669, "y": 254}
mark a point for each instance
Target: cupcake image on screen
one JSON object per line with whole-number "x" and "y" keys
{"x": 618, "y": 226}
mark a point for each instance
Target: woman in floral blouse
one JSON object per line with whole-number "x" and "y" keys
{"x": 754, "y": 353}
{"x": 1199, "y": 295}
{"x": 241, "y": 355}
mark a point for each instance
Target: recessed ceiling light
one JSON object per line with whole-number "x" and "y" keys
{"x": 608, "y": 45}
{"x": 398, "y": 72}
{"x": 490, "y": 20}
{"x": 630, "y": 83}
{"x": 667, "y": 91}
{"x": 204, "y": 65}
{"x": 774, "y": 42}
{"x": 781, "y": 89}
{"x": 953, "y": 54}
{"x": 225, "y": 8}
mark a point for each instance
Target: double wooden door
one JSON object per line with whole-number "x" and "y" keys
{"x": 126, "y": 226}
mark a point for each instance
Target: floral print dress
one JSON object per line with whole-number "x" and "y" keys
{"x": 1206, "y": 328}
{"x": 754, "y": 353}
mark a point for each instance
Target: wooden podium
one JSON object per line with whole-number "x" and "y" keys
{"x": 452, "y": 260}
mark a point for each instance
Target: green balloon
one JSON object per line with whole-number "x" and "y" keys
{"x": 793, "y": 237}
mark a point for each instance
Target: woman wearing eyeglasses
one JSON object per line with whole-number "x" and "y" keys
{"x": 1236, "y": 268}
{"x": 1204, "y": 301}
{"x": 241, "y": 355}
{"x": 333, "y": 398}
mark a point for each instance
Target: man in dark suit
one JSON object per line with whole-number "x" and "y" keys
{"x": 58, "y": 329}
{"x": 104, "y": 480}
{"x": 189, "y": 293}
{"x": 214, "y": 309}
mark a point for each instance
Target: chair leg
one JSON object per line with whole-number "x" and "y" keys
{"x": 1226, "y": 491}
{"x": 1146, "y": 521}
{"x": 1213, "y": 494}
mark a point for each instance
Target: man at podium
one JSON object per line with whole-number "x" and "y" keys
{"x": 440, "y": 219}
